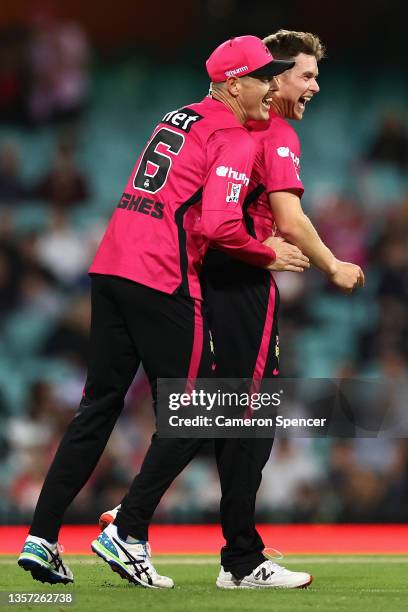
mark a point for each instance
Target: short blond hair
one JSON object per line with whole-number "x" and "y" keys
{"x": 287, "y": 44}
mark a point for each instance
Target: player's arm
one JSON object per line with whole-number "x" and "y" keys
{"x": 296, "y": 227}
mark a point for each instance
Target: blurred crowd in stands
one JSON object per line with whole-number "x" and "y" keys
{"x": 43, "y": 68}
{"x": 45, "y": 314}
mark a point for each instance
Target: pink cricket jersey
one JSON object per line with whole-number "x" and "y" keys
{"x": 187, "y": 189}
{"x": 276, "y": 168}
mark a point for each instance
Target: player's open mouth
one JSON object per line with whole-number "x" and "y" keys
{"x": 266, "y": 103}
{"x": 303, "y": 101}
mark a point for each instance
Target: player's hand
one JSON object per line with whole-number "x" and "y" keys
{"x": 288, "y": 256}
{"x": 347, "y": 276}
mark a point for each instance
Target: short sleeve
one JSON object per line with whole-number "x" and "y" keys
{"x": 281, "y": 159}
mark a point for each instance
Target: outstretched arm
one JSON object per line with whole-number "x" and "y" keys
{"x": 296, "y": 228}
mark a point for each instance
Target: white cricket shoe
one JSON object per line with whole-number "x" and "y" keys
{"x": 131, "y": 561}
{"x": 266, "y": 575}
{"x": 108, "y": 517}
{"x": 43, "y": 560}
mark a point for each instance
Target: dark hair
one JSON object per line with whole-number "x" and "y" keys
{"x": 287, "y": 44}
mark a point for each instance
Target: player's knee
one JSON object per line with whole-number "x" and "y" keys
{"x": 102, "y": 397}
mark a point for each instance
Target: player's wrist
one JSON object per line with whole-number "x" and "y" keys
{"x": 333, "y": 267}
{"x": 273, "y": 255}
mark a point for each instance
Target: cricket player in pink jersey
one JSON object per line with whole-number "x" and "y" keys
{"x": 243, "y": 308}
{"x": 186, "y": 190}
{"x": 276, "y": 172}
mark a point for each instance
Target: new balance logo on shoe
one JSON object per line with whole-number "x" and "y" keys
{"x": 267, "y": 575}
{"x": 263, "y": 574}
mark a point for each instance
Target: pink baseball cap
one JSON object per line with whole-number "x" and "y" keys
{"x": 243, "y": 56}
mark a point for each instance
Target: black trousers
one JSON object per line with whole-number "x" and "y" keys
{"x": 242, "y": 306}
{"x": 130, "y": 324}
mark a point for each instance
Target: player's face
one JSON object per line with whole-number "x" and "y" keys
{"x": 255, "y": 94}
{"x": 297, "y": 87}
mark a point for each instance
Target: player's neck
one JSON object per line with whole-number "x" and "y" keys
{"x": 277, "y": 107}
{"x": 231, "y": 103}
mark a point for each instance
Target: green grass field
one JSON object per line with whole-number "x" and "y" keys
{"x": 351, "y": 583}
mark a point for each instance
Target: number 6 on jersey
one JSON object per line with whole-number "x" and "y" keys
{"x": 151, "y": 174}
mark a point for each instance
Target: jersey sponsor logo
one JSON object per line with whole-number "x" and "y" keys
{"x": 286, "y": 152}
{"x": 296, "y": 164}
{"x": 145, "y": 206}
{"x": 231, "y": 173}
{"x": 183, "y": 118}
{"x": 283, "y": 151}
{"x": 230, "y": 73}
{"x": 233, "y": 191}
{"x": 295, "y": 159}
{"x": 222, "y": 171}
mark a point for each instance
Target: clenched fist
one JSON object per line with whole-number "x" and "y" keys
{"x": 347, "y": 276}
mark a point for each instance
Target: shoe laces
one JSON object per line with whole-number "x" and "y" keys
{"x": 54, "y": 553}
{"x": 148, "y": 553}
{"x": 274, "y": 567}
{"x": 148, "y": 549}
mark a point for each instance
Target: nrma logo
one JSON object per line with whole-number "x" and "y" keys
{"x": 229, "y": 172}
